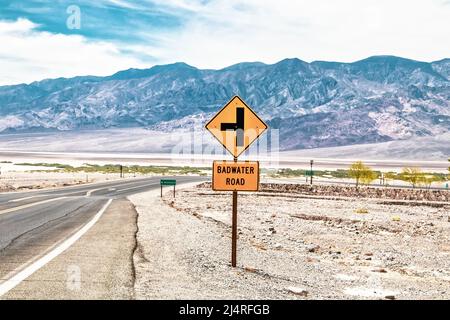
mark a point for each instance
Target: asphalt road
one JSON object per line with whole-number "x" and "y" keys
{"x": 34, "y": 224}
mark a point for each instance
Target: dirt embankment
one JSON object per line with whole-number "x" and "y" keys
{"x": 354, "y": 192}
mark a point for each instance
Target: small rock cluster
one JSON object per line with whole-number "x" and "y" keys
{"x": 360, "y": 192}
{"x": 6, "y": 188}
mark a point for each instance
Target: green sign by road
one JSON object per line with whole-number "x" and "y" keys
{"x": 309, "y": 173}
{"x": 165, "y": 182}
{"x": 168, "y": 182}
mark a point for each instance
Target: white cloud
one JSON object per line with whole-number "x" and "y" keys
{"x": 123, "y": 4}
{"x": 27, "y": 55}
{"x": 222, "y": 32}
{"x": 218, "y": 33}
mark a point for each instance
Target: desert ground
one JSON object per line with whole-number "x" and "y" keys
{"x": 328, "y": 242}
{"x": 292, "y": 245}
{"x": 16, "y": 178}
{"x": 36, "y": 178}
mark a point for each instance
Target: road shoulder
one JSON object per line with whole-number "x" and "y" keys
{"x": 185, "y": 256}
{"x": 98, "y": 266}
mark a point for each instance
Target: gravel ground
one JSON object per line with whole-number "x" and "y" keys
{"x": 290, "y": 246}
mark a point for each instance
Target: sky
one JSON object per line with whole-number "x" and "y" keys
{"x": 42, "y": 39}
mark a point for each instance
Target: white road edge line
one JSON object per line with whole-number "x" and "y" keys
{"x": 25, "y": 206}
{"x": 11, "y": 283}
{"x": 137, "y": 187}
{"x": 22, "y": 199}
{"x": 111, "y": 188}
{"x": 45, "y": 195}
{"x": 89, "y": 193}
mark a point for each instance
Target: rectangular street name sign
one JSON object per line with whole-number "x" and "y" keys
{"x": 168, "y": 182}
{"x": 235, "y": 176}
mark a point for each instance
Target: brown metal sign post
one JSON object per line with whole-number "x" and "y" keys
{"x": 236, "y": 126}
{"x": 234, "y": 228}
{"x": 234, "y": 231}
{"x": 235, "y": 176}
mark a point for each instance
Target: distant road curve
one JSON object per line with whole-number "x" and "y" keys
{"x": 36, "y": 226}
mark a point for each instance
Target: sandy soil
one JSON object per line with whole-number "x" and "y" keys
{"x": 22, "y": 180}
{"x": 290, "y": 247}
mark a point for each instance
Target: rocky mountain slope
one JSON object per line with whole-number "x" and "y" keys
{"x": 318, "y": 104}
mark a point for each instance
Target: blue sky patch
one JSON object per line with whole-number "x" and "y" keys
{"x": 100, "y": 20}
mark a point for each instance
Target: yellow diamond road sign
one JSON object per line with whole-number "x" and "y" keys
{"x": 236, "y": 126}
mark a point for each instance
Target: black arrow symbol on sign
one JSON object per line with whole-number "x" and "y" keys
{"x": 238, "y": 127}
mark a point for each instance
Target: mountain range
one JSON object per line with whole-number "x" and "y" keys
{"x": 318, "y": 104}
